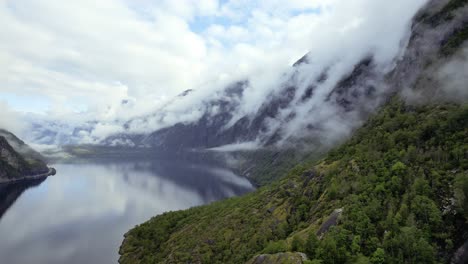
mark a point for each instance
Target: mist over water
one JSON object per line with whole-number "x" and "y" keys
{"x": 81, "y": 214}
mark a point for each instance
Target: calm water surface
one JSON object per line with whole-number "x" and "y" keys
{"x": 81, "y": 214}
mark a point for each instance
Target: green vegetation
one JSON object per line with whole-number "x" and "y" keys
{"x": 402, "y": 182}
{"x": 453, "y": 5}
{"x": 456, "y": 40}
{"x": 267, "y": 165}
{"x": 444, "y": 14}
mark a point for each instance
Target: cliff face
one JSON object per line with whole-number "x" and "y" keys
{"x": 18, "y": 160}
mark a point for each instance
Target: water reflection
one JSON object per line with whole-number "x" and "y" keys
{"x": 10, "y": 192}
{"x": 80, "y": 215}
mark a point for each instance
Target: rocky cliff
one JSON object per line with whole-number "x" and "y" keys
{"x": 18, "y": 160}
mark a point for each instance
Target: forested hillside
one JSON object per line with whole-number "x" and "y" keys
{"x": 395, "y": 193}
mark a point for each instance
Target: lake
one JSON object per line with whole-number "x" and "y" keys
{"x": 81, "y": 214}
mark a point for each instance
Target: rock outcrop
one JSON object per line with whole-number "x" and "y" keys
{"x": 18, "y": 160}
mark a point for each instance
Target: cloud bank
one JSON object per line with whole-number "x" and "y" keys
{"x": 10, "y": 119}
{"x": 99, "y": 65}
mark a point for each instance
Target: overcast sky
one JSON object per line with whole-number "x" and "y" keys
{"x": 59, "y": 58}
{"x": 89, "y": 55}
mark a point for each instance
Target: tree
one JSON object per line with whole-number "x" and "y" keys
{"x": 378, "y": 257}
{"x": 297, "y": 244}
{"x": 311, "y": 245}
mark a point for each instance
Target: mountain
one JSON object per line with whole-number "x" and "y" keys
{"x": 319, "y": 112}
{"x": 396, "y": 191}
{"x": 18, "y": 160}
{"x": 315, "y": 112}
{"x": 354, "y": 95}
{"x": 313, "y": 105}
{"x": 224, "y": 126}
{"x": 292, "y": 113}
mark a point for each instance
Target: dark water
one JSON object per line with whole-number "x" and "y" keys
{"x": 81, "y": 214}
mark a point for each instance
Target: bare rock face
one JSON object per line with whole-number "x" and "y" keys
{"x": 279, "y": 258}
{"x": 19, "y": 146}
{"x": 12, "y": 164}
{"x": 433, "y": 40}
{"x": 461, "y": 255}
{"x": 331, "y": 221}
{"x": 8, "y": 154}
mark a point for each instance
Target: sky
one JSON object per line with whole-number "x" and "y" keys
{"x": 59, "y": 56}
{"x": 102, "y": 60}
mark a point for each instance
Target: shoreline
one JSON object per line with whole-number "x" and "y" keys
{"x": 51, "y": 172}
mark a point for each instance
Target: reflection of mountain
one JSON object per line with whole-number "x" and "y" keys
{"x": 207, "y": 179}
{"x": 9, "y": 193}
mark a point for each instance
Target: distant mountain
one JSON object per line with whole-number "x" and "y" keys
{"x": 18, "y": 160}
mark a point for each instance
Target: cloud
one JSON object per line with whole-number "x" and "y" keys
{"x": 243, "y": 146}
{"x": 102, "y": 64}
{"x": 345, "y": 34}
{"x": 453, "y": 77}
{"x": 10, "y": 119}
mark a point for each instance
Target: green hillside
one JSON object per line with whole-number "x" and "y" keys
{"x": 396, "y": 192}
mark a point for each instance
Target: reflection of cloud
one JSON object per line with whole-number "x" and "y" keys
{"x": 229, "y": 177}
{"x": 82, "y": 213}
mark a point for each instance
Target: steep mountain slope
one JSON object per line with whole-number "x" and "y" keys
{"x": 18, "y": 160}
{"x": 317, "y": 111}
{"x": 21, "y": 147}
{"x": 401, "y": 183}
{"x": 396, "y": 192}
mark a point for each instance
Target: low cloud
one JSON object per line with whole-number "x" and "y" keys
{"x": 243, "y": 146}
{"x": 11, "y": 120}
{"x": 119, "y": 66}
{"x": 453, "y": 77}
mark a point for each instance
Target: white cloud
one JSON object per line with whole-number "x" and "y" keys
{"x": 243, "y": 146}
{"x": 90, "y": 56}
{"x": 453, "y": 77}
{"x": 10, "y": 119}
